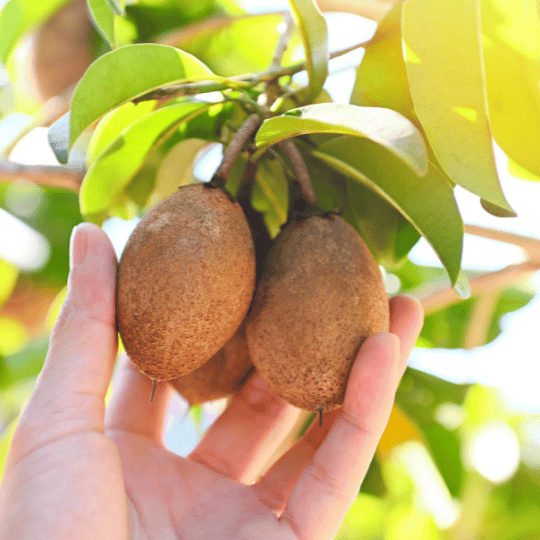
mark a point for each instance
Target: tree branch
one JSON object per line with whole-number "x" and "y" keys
{"x": 435, "y": 297}
{"x": 530, "y": 245}
{"x": 66, "y": 177}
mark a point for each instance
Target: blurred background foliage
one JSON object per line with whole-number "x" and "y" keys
{"x": 456, "y": 460}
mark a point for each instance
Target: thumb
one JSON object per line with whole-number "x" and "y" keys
{"x": 70, "y": 392}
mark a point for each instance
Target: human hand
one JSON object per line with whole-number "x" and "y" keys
{"x": 76, "y": 471}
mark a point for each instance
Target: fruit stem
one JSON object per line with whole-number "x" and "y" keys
{"x": 320, "y": 410}
{"x": 154, "y": 383}
{"x": 247, "y": 129}
{"x": 300, "y": 171}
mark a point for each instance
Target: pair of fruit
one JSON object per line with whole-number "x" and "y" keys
{"x": 186, "y": 283}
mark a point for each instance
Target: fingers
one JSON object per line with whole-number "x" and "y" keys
{"x": 275, "y": 488}
{"x": 130, "y": 409}
{"x": 70, "y": 392}
{"x": 248, "y": 432}
{"x": 406, "y": 320}
{"x": 330, "y": 483}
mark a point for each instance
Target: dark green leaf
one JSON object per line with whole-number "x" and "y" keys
{"x": 426, "y": 202}
{"x": 314, "y": 32}
{"x": 271, "y": 194}
{"x": 383, "y": 126}
{"x": 387, "y": 233}
{"x": 444, "y": 65}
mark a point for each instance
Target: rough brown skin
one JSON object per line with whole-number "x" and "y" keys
{"x": 185, "y": 281}
{"x": 224, "y": 374}
{"x": 321, "y": 295}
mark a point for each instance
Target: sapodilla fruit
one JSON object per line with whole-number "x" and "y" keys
{"x": 185, "y": 281}
{"x": 320, "y": 296}
{"x": 221, "y": 376}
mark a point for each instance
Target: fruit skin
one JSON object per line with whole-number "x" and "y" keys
{"x": 224, "y": 374}
{"x": 320, "y": 296}
{"x": 185, "y": 281}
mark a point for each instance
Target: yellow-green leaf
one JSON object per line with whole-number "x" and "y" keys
{"x": 314, "y": 32}
{"x": 511, "y": 39}
{"x": 444, "y": 64}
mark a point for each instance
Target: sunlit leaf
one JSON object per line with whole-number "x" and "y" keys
{"x": 383, "y": 126}
{"x": 18, "y": 17}
{"x": 112, "y": 124}
{"x": 511, "y": 39}
{"x": 381, "y": 77}
{"x": 444, "y": 65}
{"x": 118, "y": 163}
{"x": 314, "y": 32}
{"x": 427, "y": 202}
{"x": 367, "y": 516}
{"x": 221, "y": 44}
{"x": 125, "y": 73}
{"x": 176, "y": 169}
{"x": 104, "y": 13}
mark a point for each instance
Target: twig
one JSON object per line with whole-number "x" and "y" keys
{"x": 283, "y": 42}
{"x": 237, "y": 82}
{"x": 66, "y": 177}
{"x": 434, "y": 298}
{"x": 234, "y": 148}
{"x": 530, "y": 245}
{"x": 300, "y": 171}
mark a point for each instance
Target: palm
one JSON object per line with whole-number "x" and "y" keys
{"x": 193, "y": 502}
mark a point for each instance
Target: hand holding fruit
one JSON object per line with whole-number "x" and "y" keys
{"x": 75, "y": 471}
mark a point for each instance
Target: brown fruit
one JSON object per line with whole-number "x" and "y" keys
{"x": 185, "y": 281}
{"x": 222, "y": 375}
{"x": 320, "y": 296}
{"x": 60, "y": 52}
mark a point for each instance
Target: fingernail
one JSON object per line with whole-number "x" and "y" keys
{"x": 78, "y": 245}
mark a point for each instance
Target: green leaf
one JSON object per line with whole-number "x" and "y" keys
{"x": 119, "y": 162}
{"x": 511, "y": 39}
{"x": 126, "y": 73}
{"x": 18, "y": 17}
{"x": 381, "y": 77}
{"x": 427, "y": 202}
{"x": 444, "y": 65}
{"x": 386, "y": 232}
{"x": 221, "y": 44}
{"x": 383, "y": 126}
{"x": 270, "y": 195}
{"x": 314, "y": 32}
{"x": 103, "y": 13}
{"x": 112, "y": 124}
{"x": 176, "y": 169}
